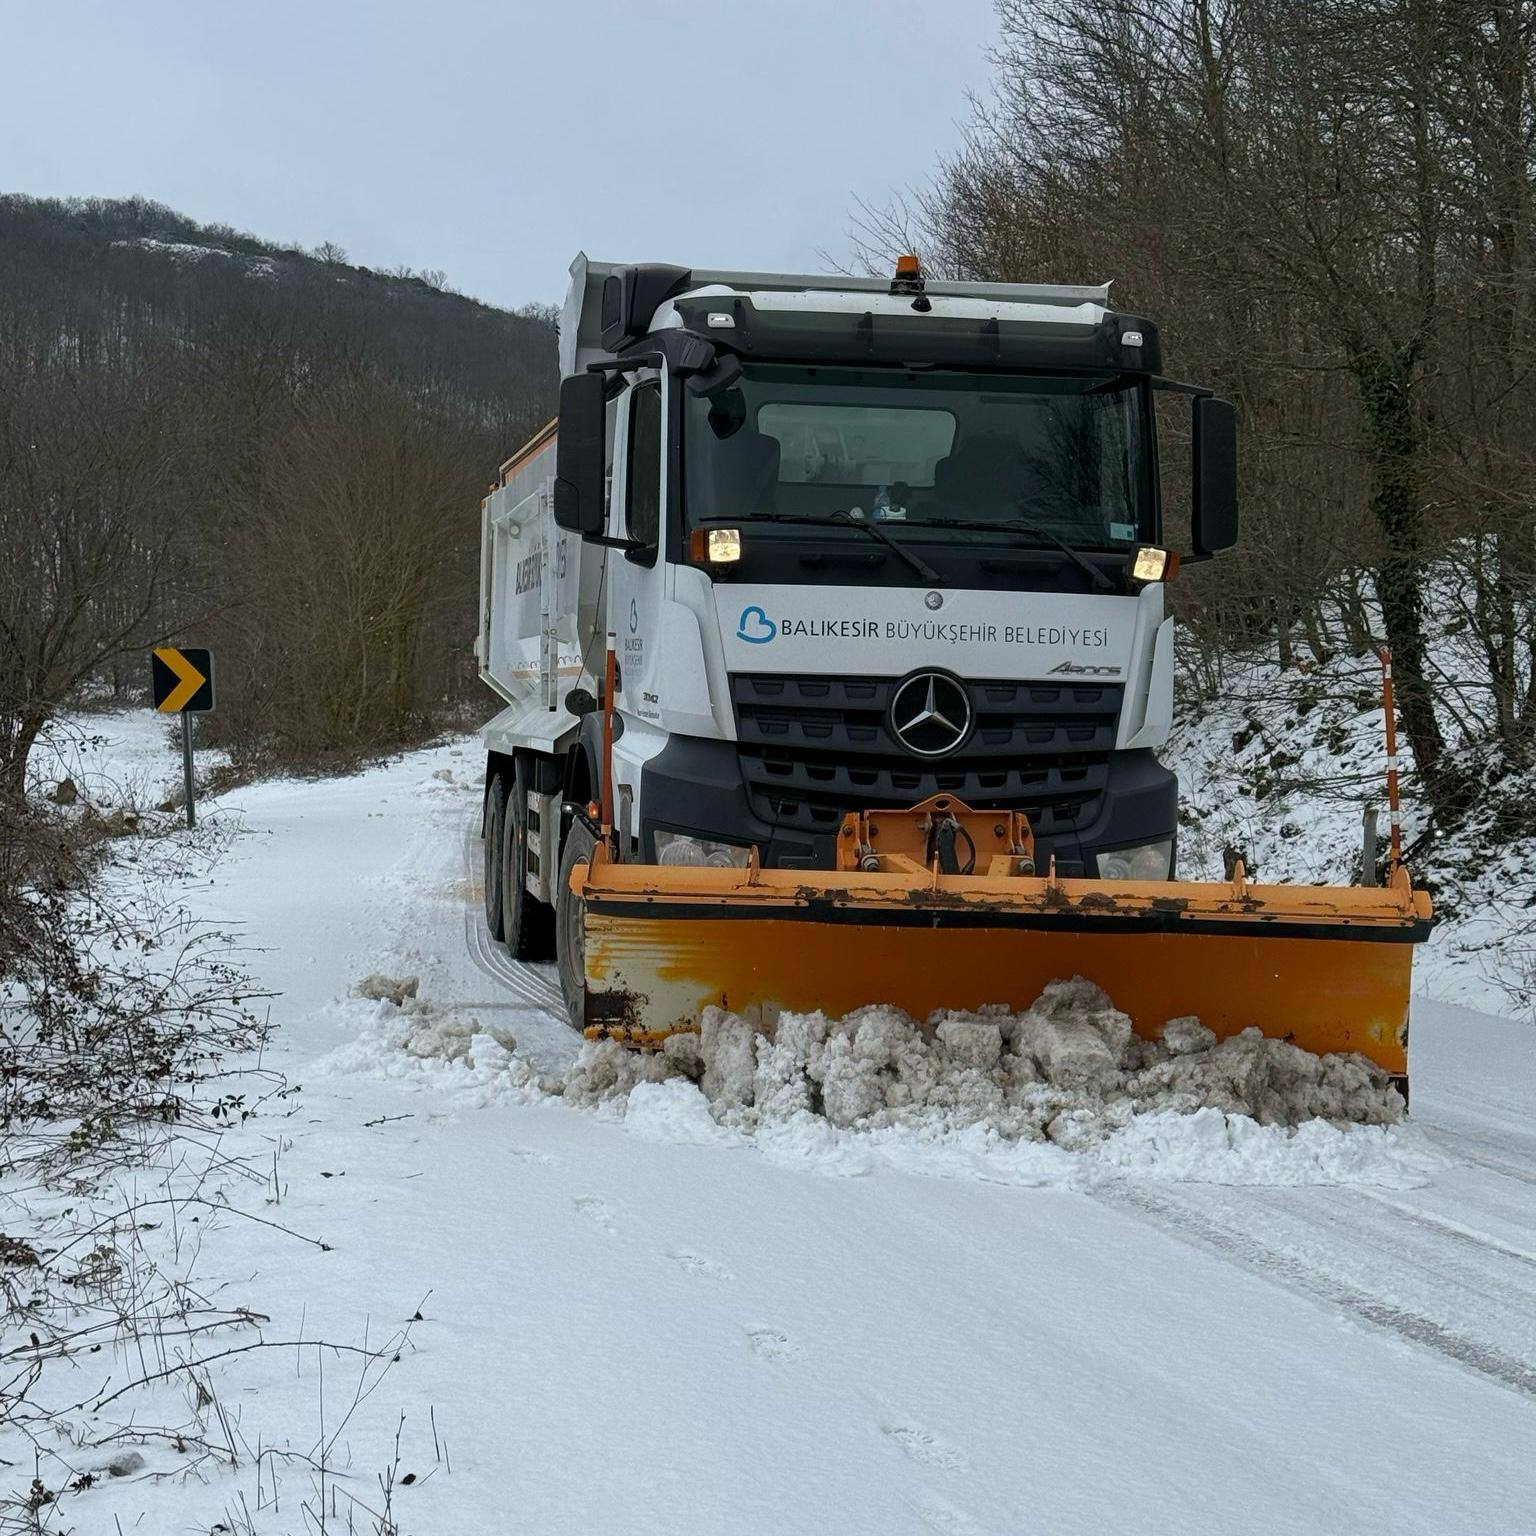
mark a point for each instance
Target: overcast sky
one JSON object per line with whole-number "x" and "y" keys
{"x": 495, "y": 140}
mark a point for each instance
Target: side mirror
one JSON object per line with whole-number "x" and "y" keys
{"x": 580, "y": 448}
{"x": 1215, "y": 475}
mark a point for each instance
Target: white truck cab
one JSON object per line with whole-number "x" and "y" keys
{"x": 856, "y": 542}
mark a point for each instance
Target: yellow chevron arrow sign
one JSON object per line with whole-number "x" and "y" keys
{"x": 182, "y": 679}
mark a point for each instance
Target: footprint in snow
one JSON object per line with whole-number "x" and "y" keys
{"x": 772, "y": 1344}
{"x": 925, "y": 1447}
{"x": 942, "y": 1516}
{"x": 595, "y": 1209}
{"x": 697, "y": 1264}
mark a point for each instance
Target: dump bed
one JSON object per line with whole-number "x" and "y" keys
{"x": 539, "y": 590}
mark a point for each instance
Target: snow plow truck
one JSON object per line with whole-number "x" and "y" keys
{"x": 829, "y": 621}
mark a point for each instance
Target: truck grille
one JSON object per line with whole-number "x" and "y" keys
{"x": 813, "y": 748}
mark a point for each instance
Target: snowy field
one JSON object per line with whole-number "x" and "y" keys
{"x": 129, "y": 758}
{"x": 617, "y": 1314}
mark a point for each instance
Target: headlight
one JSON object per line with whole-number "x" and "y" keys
{"x": 682, "y": 848}
{"x": 1153, "y": 564}
{"x": 1147, "y": 861}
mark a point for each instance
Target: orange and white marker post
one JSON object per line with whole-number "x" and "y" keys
{"x": 610, "y": 703}
{"x": 1389, "y": 706}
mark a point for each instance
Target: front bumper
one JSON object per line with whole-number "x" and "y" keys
{"x": 697, "y": 786}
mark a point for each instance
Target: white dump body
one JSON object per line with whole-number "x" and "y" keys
{"x": 539, "y": 604}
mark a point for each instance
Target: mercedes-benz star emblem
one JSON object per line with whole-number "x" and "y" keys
{"x": 930, "y": 713}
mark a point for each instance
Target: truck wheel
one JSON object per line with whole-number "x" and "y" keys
{"x": 491, "y": 836}
{"x": 569, "y": 926}
{"x": 527, "y": 924}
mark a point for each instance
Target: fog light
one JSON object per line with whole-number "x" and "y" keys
{"x": 683, "y": 850}
{"x": 1153, "y": 564}
{"x": 1148, "y": 861}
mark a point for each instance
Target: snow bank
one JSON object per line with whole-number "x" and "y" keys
{"x": 1019, "y": 1091}
{"x": 1213, "y": 1147}
{"x": 1068, "y": 1069}
{"x": 407, "y": 1037}
{"x": 1061, "y": 1092}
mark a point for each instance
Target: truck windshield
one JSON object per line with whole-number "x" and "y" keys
{"x": 1065, "y": 454}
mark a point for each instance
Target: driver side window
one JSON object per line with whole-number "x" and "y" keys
{"x": 642, "y": 506}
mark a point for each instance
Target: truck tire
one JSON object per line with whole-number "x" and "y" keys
{"x": 491, "y": 836}
{"x": 579, "y": 843}
{"x": 527, "y": 924}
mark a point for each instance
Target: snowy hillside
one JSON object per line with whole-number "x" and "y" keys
{"x": 1282, "y": 768}
{"x": 468, "y": 1284}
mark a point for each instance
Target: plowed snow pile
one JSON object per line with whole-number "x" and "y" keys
{"x": 1048, "y": 1095}
{"x": 1068, "y": 1074}
{"x": 1069, "y": 1069}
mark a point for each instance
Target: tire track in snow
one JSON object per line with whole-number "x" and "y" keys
{"x": 488, "y": 955}
{"x": 1474, "y": 1149}
{"x": 1484, "y": 1102}
{"x": 1481, "y": 1128}
{"x": 1187, "y": 1225}
{"x": 1444, "y": 1227}
{"x": 1200, "y": 1231}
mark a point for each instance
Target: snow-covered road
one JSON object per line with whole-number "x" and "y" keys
{"x": 641, "y": 1328}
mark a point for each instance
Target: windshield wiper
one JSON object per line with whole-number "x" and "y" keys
{"x": 875, "y": 531}
{"x": 843, "y": 519}
{"x": 1035, "y": 531}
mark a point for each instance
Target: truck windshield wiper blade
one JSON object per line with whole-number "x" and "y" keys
{"x": 1035, "y": 531}
{"x": 875, "y": 531}
{"x": 842, "y": 519}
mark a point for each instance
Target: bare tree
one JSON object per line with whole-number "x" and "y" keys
{"x": 1328, "y": 204}
{"x": 174, "y": 433}
{"x": 90, "y": 497}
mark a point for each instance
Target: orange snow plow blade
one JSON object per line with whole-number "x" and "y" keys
{"x": 1325, "y": 967}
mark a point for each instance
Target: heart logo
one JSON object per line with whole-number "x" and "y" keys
{"x": 755, "y": 627}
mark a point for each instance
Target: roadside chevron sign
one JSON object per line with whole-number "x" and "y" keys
{"x": 182, "y": 679}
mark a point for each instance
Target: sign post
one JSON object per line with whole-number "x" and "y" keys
{"x": 181, "y": 683}
{"x": 186, "y": 767}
